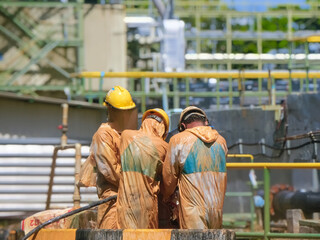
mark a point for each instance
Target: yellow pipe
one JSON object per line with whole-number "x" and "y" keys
{"x": 225, "y": 74}
{"x": 241, "y": 156}
{"x": 273, "y": 165}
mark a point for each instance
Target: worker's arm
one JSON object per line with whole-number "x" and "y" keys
{"x": 104, "y": 149}
{"x": 223, "y": 144}
{"x": 170, "y": 171}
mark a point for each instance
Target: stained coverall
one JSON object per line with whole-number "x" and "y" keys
{"x": 142, "y": 155}
{"x": 196, "y": 161}
{"x": 104, "y": 152}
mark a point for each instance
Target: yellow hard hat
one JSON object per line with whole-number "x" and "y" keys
{"x": 189, "y": 111}
{"x": 119, "y": 97}
{"x": 160, "y": 113}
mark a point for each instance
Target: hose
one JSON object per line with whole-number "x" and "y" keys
{"x": 55, "y": 219}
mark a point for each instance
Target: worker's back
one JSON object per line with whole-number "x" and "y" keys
{"x": 197, "y": 157}
{"x": 142, "y": 154}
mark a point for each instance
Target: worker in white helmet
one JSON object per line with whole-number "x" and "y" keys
{"x": 196, "y": 163}
{"x": 142, "y": 154}
{"x": 104, "y": 151}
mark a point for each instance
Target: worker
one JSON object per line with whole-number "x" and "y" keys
{"x": 142, "y": 154}
{"x": 104, "y": 151}
{"x": 196, "y": 163}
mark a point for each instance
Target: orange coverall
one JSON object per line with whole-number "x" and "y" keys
{"x": 142, "y": 154}
{"x": 104, "y": 152}
{"x": 196, "y": 161}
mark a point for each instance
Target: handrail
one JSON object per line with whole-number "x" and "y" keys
{"x": 241, "y": 156}
{"x": 273, "y": 165}
{"x": 222, "y": 74}
{"x": 266, "y": 234}
{"x": 229, "y": 93}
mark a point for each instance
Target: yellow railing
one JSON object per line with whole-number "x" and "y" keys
{"x": 226, "y": 74}
{"x": 230, "y": 92}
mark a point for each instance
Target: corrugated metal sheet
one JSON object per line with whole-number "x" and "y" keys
{"x": 24, "y": 178}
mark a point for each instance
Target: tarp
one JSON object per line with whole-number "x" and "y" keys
{"x": 142, "y": 154}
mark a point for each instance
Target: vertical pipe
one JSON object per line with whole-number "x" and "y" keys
{"x": 76, "y": 193}
{"x": 259, "y": 48}
{"x": 263, "y": 146}
{"x": 230, "y": 92}
{"x": 198, "y": 42}
{"x": 269, "y": 86}
{"x": 218, "y": 90}
{"x": 288, "y": 146}
{"x": 306, "y": 47}
{"x": 273, "y": 92}
{"x": 64, "y": 124}
{"x": 240, "y": 146}
{"x": 131, "y": 85}
{"x": 315, "y": 87}
{"x": 187, "y": 91}
{"x": 80, "y": 35}
{"x": 164, "y": 97}
{"x": 143, "y": 97}
{"x": 53, "y": 166}
{"x": 175, "y": 92}
{"x": 290, "y": 67}
{"x": 252, "y": 213}
{"x": 266, "y": 173}
{"x": 229, "y": 39}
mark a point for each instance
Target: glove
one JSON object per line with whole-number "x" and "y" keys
{"x": 258, "y": 201}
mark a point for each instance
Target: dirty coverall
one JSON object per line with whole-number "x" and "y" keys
{"x": 104, "y": 152}
{"x": 196, "y": 161}
{"x": 142, "y": 155}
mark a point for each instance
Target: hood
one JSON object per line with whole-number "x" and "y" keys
{"x": 153, "y": 127}
{"x": 205, "y": 133}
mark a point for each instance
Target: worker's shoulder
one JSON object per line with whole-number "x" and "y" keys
{"x": 181, "y": 137}
{"x": 105, "y": 131}
{"x": 129, "y": 132}
{"x": 159, "y": 141}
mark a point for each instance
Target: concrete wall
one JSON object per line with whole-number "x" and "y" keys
{"x": 304, "y": 117}
{"x": 25, "y": 118}
{"x": 39, "y": 119}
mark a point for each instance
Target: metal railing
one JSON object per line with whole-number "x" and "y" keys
{"x": 245, "y": 194}
{"x": 266, "y": 234}
{"x": 233, "y": 90}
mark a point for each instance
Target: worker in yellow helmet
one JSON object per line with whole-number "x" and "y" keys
{"x": 104, "y": 151}
{"x": 142, "y": 153}
{"x": 196, "y": 162}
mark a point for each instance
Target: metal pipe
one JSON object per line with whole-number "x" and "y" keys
{"x": 63, "y": 146}
{"x": 53, "y": 166}
{"x": 260, "y": 235}
{"x": 241, "y": 156}
{"x": 40, "y": 141}
{"x": 308, "y": 202}
{"x": 273, "y": 165}
{"x": 222, "y": 74}
{"x": 266, "y": 223}
{"x": 64, "y": 129}
{"x": 76, "y": 193}
{"x": 35, "y": 155}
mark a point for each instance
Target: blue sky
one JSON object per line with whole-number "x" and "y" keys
{"x": 261, "y": 5}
